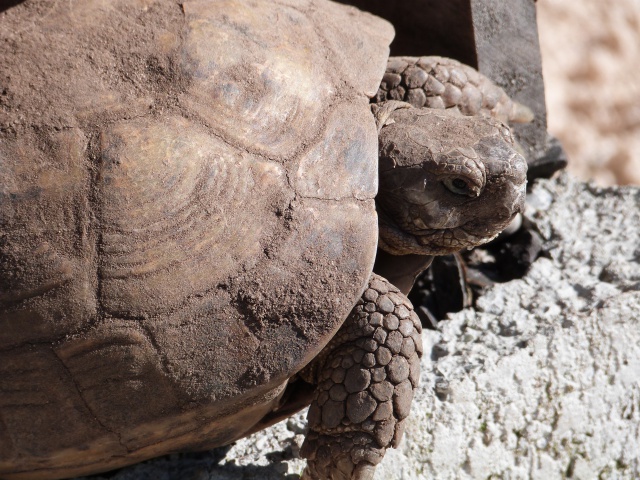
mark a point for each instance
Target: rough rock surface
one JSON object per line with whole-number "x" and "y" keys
{"x": 541, "y": 381}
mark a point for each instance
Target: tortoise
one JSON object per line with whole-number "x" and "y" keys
{"x": 190, "y": 212}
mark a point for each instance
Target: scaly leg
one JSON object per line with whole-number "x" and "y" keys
{"x": 439, "y": 82}
{"x": 365, "y": 380}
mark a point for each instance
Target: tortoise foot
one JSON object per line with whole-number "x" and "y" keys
{"x": 365, "y": 380}
{"x": 350, "y": 456}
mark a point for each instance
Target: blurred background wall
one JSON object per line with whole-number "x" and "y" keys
{"x": 591, "y": 65}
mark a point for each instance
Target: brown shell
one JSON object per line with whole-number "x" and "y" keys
{"x": 186, "y": 217}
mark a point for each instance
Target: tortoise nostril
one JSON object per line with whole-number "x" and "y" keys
{"x": 519, "y": 168}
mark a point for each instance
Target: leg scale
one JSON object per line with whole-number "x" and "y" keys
{"x": 365, "y": 380}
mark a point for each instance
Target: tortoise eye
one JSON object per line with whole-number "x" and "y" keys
{"x": 458, "y": 186}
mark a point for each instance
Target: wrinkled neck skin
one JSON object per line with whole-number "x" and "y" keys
{"x": 447, "y": 182}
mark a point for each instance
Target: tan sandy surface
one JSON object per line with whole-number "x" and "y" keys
{"x": 591, "y": 63}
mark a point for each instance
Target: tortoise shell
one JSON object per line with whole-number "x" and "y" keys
{"x": 186, "y": 217}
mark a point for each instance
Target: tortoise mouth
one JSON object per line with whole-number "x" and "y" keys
{"x": 398, "y": 241}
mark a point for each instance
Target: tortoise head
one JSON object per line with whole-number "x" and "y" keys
{"x": 447, "y": 181}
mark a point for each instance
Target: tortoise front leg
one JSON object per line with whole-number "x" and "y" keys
{"x": 365, "y": 380}
{"x": 440, "y": 82}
